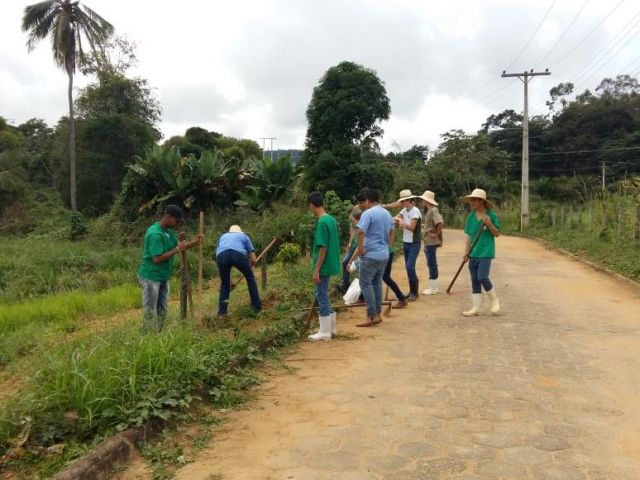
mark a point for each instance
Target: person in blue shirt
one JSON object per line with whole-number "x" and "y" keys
{"x": 374, "y": 236}
{"x": 236, "y": 250}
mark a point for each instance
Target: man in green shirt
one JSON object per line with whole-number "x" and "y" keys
{"x": 160, "y": 246}
{"x": 326, "y": 262}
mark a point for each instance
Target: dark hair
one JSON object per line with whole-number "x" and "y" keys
{"x": 361, "y": 196}
{"x": 316, "y": 199}
{"x": 372, "y": 195}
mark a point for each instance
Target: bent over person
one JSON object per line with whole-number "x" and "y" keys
{"x": 482, "y": 226}
{"x": 160, "y": 246}
{"x": 236, "y": 250}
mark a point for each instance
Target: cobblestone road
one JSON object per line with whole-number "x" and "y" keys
{"x": 549, "y": 389}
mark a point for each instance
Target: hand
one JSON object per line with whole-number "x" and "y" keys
{"x": 485, "y": 219}
{"x": 316, "y": 277}
{"x": 182, "y": 246}
{"x": 433, "y": 234}
{"x": 466, "y": 257}
{"x": 252, "y": 262}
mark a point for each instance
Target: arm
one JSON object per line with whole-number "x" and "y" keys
{"x": 352, "y": 233}
{"x": 322, "y": 253}
{"x": 252, "y": 259}
{"x": 409, "y": 226}
{"x": 359, "y": 249}
{"x": 179, "y": 248}
{"x": 392, "y": 237}
{"x": 467, "y": 249}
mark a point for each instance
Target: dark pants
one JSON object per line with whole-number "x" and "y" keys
{"x": 225, "y": 260}
{"x": 411, "y": 252}
{"x": 432, "y": 261}
{"x": 480, "y": 269}
{"x": 346, "y": 274}
{"x": 386, "y": 278}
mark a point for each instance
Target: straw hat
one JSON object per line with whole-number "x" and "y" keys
{"x": 430, "y": 197}
{"x": 235, "y": 229}
{"x": 405, "y": 195}
{"x": 481, "y": 194}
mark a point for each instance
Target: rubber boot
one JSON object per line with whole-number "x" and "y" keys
{"x": 476, "y": 299}
{"x": 334, "y": 325}
{"x": 495, "y": 303}
{"x": 324, "y": 333}
{"x": 433, "y": 288}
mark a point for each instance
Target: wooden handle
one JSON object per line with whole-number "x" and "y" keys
{"x": 262, "y": 254}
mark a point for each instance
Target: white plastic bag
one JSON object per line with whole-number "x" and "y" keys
{"x": 353, "y": 293}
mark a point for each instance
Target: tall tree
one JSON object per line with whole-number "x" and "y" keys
{"x": 66, "y": 22}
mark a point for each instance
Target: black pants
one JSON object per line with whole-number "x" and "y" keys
{"x": 226, "y": 260}
{"x": 386, "y": 278}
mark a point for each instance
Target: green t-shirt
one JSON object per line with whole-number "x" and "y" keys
{"x": 326, "y": 235}
{"x": 486, "y": 246}
{"x": 157, "y": 241}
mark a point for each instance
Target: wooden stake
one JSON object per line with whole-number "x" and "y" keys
{"x": 201, "y": 255}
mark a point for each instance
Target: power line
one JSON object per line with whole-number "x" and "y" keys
{"x": 532, "y": 35}
{"x": 591, "y": 32}
{"x": 564, "y": 33}
{"x": 571, "y": 152}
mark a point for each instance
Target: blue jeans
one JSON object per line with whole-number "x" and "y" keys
{"x": 480, "y": 268}
{"x": 346, "y": 274}
{"x": 371, "y": 272}
{"x": 231, "y": 258}
{"x": 432, "y": 261}
{"x": 322, "y": 297}
{"x": 155, "y": 303}
{"x": 411, "y": 252}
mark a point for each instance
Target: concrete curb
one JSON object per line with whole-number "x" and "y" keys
{"x": 116, "y": 451}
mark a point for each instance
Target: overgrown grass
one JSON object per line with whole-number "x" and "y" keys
{"x": 23, "y": 326}
{"x": 94, "y": 385}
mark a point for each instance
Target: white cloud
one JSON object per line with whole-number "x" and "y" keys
{"x": 247, "y": 68}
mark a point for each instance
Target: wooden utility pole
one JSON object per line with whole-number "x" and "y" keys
{"x": 524, "y": 197}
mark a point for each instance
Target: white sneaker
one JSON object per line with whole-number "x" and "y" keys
{"x": 433, "y": 287}
{"x": 476, "y": 299}
{"x": 324, "y": 333}
{"x": 495, "y": 303}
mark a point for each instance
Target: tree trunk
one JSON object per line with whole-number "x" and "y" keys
{"x": 72, "y": 145}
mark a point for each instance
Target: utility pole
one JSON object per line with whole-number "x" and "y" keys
{"x": 263, "y": 140}
{"x": 525, "y": 77}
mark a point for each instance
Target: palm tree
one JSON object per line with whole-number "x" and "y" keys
{"x": 66, "y": 22}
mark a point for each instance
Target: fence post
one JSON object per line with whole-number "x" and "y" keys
{"x": 590, "y": 217}
{"x": 553, "y": 217}
{"x": 263, "y": 268}
{"x": 570, "y": 216}
{"x": 580, "y": 216}
{"x": 636, "y": 230}
{"x": 604, "y": 214}
{"x": 562, "y": 218}
{"x": 619, "y": 220}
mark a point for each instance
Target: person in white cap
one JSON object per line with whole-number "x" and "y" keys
{"x": 433, "y": 224}
{"x": 410, "y": 220}
{"x": 482, "y": 221}
{"x": 236, "y": 250}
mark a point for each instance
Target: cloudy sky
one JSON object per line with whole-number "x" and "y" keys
{"x": 247, "y": 67}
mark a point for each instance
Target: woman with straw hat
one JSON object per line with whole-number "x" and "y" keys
{"x": 433, "y": 224}
{"x": 482, "y": 224}
{"x": 410, "y": 220}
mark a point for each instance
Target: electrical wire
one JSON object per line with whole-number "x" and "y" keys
{"x": 577, "y": 15}
{"x": 591, "y": 32}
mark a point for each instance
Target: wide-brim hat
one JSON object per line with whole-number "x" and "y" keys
{"x": 405, "y": 195}
{"x": 235, "y": 229}
{"x": 481, "y": 194}
{"x": 430, "y": 197}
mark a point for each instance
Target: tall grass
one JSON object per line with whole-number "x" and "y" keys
{"x": 23, "y": 326}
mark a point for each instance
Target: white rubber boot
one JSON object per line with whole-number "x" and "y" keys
{"x": 476, "y": 299}
{"x": 433, "y": 288}
{"x": 324, "y": 333}
{"x": 334, "y": 326}
{"x": 495, "y": 303}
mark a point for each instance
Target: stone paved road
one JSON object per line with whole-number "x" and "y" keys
{"x": 549, "y": 389}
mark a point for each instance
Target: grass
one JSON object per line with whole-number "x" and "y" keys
{"x": 25, "y": 326}
{"x": 88, "y": 387}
